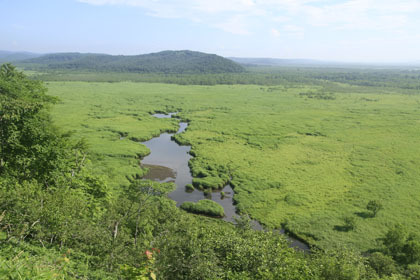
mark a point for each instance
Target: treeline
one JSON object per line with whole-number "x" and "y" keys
{"x": 404, "y": 79}
{"x": 408, "y": 81}
{"x": 254, "y": 78}
{"x": 161, "y": 62}
{"x": 58, "y": 220}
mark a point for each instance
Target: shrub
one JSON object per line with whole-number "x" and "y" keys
{"x": 340, "y": 264}
{"x": 383, "y": 265}
{"x": 349, "y": 223}
{"x": 374, "y": 206}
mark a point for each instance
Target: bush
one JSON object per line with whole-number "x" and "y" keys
{"x": 374, "y": 206}
{"x": 383, "y": 265}
{"x": 349, "y": 223}
{"x": 340, "y": 264}
{"x": 205, "y": 207}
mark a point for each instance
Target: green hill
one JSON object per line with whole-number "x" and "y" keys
{"x": 161, "y": 62}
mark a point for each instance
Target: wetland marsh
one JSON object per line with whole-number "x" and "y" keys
{"x": 296, "y": 159}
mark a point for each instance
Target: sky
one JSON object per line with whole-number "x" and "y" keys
{"x": 332, "y": 30}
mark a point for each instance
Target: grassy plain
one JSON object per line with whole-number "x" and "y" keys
{"x": 295, "y": 158}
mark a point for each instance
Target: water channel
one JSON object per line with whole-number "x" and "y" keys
{"x": 168, "y": 162}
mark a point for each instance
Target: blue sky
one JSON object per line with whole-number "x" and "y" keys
{"x": 336, "y": 30}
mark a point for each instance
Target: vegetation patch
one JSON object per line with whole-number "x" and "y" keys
{"x": 204, "y": 207}
{"x": 208, "y": 183}
{"x": 189, "y": 188}
{"x": 318, "y": 95}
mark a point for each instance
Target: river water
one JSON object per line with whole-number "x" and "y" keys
{"x": 168, "y": 162}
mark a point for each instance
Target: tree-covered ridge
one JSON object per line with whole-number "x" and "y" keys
{"x": 161, "y": 62}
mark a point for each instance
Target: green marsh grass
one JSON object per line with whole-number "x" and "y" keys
{"x": 205, "y": 207}
{"x": 294, "y": 161}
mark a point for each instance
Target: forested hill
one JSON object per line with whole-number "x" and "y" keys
{"x": 162, "y": 62}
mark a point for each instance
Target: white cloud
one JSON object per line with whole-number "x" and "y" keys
{"x": 275, "y": 32}
{"x": 239, "y": 16}
{"x": 234, "y": 25}
{"x": 363, "y": 14}
{"x": 292, "y": 28}
{"x": 280, "y": 19}
{"x": 220, "y": 6}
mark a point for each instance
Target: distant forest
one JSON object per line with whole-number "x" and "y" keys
{"x": 404, "y": 79}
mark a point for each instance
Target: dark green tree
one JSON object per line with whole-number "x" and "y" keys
{"x": 30, "y": 146}
{"x": 402, "y": 246}
{"x": 384, "y": 265}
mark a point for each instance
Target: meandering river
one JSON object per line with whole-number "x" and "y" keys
{"x": 168, "y": 162}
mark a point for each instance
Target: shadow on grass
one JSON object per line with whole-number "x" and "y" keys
{"x": 364, "y": 215}
{"x": 342, "y": 228}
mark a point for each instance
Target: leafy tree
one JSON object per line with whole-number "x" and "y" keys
{"x": 30, "y": 146}
{"x": 402, "y": 246}
{"x": 24, "y": 129}
{"x": 394, "y": 241}
{"x": 46, "y": 192}
{"x": 412, "y": 250}
{"x": 413, "y": 272}
{"x": 384, "y": 265}
{"x": 341, "y": 264}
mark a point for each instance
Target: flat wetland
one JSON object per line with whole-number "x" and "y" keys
{"x": 301, "y": 157}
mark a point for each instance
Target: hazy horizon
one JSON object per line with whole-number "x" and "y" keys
{"x": 355, "y": 31}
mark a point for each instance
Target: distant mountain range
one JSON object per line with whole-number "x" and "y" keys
{"x": 279, "y": 62}
{"x": 169, "y": 62}
{"x": 161, "y": 62}
{"x": 8, "y": 56}
{"x": 245, "y": 61}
